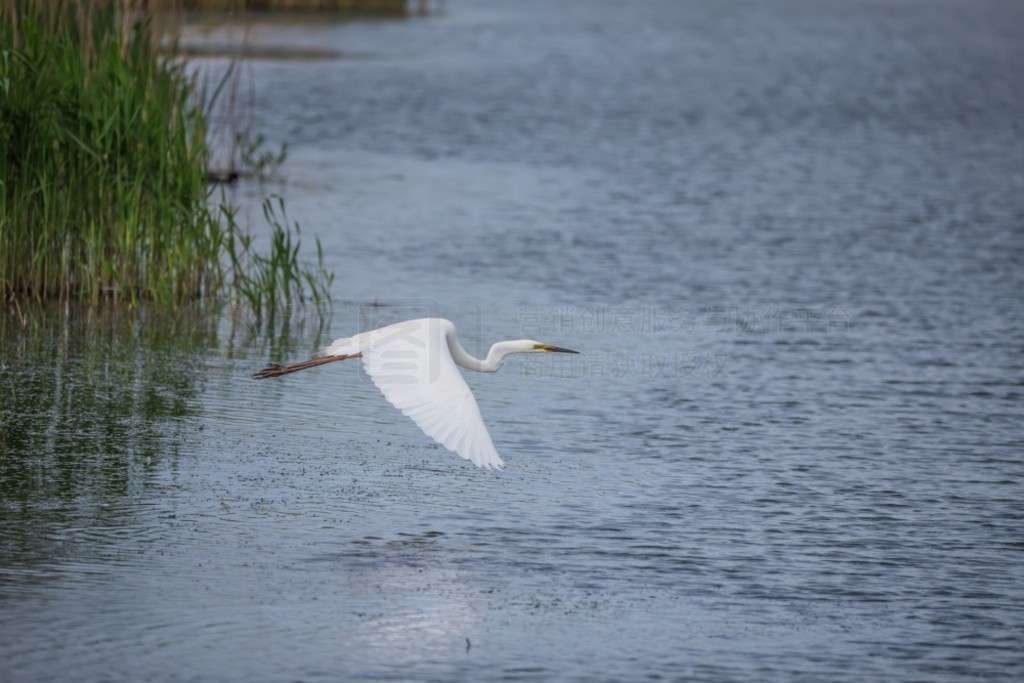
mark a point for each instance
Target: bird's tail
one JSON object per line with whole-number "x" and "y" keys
{"x": 276, "y": 370}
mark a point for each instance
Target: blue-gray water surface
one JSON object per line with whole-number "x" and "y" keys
{"x": 787, "y": 237}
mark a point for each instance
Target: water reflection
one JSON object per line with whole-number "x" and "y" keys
{"x": 91, "y": 400}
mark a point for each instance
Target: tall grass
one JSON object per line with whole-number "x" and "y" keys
{"x": 103, "y": 159}
{"x": 262, "y": 280}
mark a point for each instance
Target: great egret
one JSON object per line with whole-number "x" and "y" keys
{"x": 413, "y": 364}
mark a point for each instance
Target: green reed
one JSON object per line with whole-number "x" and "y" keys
{"x": 103, "y": 161}
{"x": 263, "y": 279}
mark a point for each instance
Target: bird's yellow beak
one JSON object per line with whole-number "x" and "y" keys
{"x": 553, "y": 349}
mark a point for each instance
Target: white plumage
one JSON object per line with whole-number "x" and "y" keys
{"x": 413, "y": 363}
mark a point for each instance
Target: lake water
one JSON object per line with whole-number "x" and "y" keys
{"x": 787, "y": 239}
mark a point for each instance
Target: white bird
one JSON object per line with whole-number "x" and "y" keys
{"x": 413, "y": 364}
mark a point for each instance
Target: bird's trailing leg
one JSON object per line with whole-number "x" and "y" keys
{"x": 276, "y": 370}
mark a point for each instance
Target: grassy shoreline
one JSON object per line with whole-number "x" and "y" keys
{"x": 103, "y": 169}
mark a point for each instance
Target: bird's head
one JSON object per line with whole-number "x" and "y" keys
{"x": 499, "y": 351}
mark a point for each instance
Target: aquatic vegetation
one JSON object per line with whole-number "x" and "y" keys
{"x": 103, "y": 171}
{"x": 263, "y": 280}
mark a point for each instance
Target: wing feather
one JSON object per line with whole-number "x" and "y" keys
{"x": 411, "y": 364}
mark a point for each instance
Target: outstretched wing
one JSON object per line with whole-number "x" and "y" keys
{"x": 411, "y": 364}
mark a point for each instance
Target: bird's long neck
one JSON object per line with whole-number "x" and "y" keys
{"x": 495, "y": 357}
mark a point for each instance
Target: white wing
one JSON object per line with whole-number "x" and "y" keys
{"x": 411, "y": 364}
